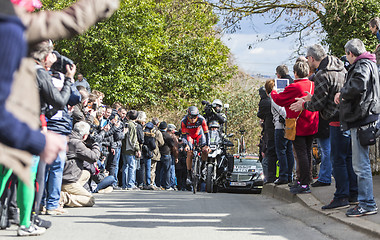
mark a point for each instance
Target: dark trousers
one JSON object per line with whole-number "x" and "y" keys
{"x": 40, "y": 186}
{"x": 158, "y": 174}
{"x": 302, "y": 146}
{"x": 140, "y": 173}
{"x": 271, "y": 155}
{"x": 165, "y": 171}
{"x": 181, "y": 175}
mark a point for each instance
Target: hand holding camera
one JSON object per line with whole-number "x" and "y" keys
{"x": 70, "y": 71}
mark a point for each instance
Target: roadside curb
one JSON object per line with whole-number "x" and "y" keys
{"x": 282, "y": 192}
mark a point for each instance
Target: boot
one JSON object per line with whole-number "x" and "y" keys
{"x": 36, "y": 220}
{"x": 13, "y": 216}
{"x": 189, "y": 177}
{"x": 4, "y": 221}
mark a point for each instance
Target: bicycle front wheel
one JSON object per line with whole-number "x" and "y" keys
{"x": 196, "y": 174}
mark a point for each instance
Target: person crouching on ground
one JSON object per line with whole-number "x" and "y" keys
{"x": 74, "y": 177}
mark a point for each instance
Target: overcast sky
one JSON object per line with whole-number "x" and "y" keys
{"x": 264, "y": 57}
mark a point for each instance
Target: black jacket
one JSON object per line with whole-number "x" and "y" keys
{"x": 140, "y": 133}
{"x": 50, "y": 95}
{"x": 118, "y": 135}
{"x": 181, "y": 156}
{"x": 149, "y": 144}
{"x": 265, "y": 113}
{"x": 168, "y": 145}
{"x": 328, "y": 80}
{"x": 359, "y": 98}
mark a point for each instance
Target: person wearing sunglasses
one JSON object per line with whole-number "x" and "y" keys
{"x": 194, "y": 129}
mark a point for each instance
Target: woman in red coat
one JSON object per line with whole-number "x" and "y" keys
{"x": 307, "y": 123}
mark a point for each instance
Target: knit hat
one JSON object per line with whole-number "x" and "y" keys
{"x": 149, "y": 125}
{"x": 163, "y": 125}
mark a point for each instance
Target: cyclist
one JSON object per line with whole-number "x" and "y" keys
{"x": 194, "y": 128}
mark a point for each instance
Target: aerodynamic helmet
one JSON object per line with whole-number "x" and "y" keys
{"x": 192, "y": 111}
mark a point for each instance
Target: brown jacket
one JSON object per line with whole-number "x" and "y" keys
{"x": 159, "y": 143}
{"x": 24, "y": 101}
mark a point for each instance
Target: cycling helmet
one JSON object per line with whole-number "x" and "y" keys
{"x": 217, "y": 105}
{"x": 193, "y": 111}
{"x": 217, "y": 102}
{"x": 214, "y": 124}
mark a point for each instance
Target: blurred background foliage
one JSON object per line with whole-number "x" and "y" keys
{"x": 151, "y": 53}
{"x": 162, "y": 57}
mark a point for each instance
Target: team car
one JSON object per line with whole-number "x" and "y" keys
{"x": 247, "y": 174}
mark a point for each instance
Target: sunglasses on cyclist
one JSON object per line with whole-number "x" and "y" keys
{"x": 193, "y": 117}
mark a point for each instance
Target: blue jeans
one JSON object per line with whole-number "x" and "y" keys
{"x": 362, "y": 167}
{"x": 325, "y": 169}
{"x": 172, "y": 173}
{"x": 284, "y": 151}
{"x": 165, "y": 171}
{"x": 114, "y": 165}
{"x": 107, "y": 181}
{"x": 341, "y": 158}
{"x": 53, "y": 181}
{"x": 129, "y": 171}
{"x": 101, "y": 165}
{"x": 148, "y": 163}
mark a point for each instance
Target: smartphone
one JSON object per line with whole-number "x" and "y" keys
{"x": 281, "y": 84}
{"x": 94, "y": 106}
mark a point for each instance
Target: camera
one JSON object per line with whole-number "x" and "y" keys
{"x": 208, "y": 107}
{"x": 207, "y": 104}
{"x": 60, "y": 64}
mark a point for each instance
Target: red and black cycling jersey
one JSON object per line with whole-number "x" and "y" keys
{"x": 194, "y": 129}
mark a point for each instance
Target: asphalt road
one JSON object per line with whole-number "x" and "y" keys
{"x": 183, "y": 215}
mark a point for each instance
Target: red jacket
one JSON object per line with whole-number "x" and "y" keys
{"x": 307, "y": 123}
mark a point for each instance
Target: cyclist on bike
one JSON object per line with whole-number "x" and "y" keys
{"x": 194, "y": 129}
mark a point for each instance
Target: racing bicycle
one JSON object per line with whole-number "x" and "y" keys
{"x": 197, "y": 167}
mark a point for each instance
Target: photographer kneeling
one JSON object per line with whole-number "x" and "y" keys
{"x": 74, "y": 177}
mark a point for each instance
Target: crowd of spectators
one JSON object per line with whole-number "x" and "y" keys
{"x": 112, "y": 147}
{"x": 335, "y": 104}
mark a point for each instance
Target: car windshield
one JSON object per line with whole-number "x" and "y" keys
{"x": 247, "y": 164}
